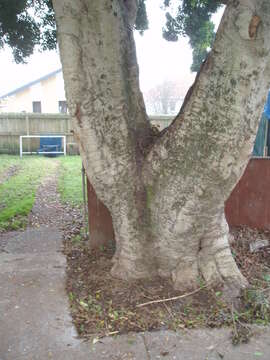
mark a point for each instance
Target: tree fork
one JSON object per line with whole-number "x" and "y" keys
{"x": 166, "y": 200}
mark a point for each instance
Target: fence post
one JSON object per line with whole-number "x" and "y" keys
{"x": 85, "y": 213}
{"x": 20, "y": 146}
{"x": 65, "y": 146}
{"x": 27, "y": 124}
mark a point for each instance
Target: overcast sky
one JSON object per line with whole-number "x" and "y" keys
{"x": 158, "y": 59}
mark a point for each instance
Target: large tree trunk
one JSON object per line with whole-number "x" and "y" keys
{"x": 166, "y": 194}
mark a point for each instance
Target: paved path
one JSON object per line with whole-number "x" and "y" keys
{"x": 35, "y": 323}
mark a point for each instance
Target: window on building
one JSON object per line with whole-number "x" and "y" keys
{"x": 62, "y": 107}
{"x": 36, "y": 106}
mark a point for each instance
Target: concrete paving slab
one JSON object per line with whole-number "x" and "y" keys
{"x": 29, "y": 262}
{"x": 35, "y": 241}
{"x": 34, "y": 315}
{"x": 5, "y": 237}
{"x": 206, "y": 344}
{"x": 35, "y": 320}
{"x": 124, "y": 347}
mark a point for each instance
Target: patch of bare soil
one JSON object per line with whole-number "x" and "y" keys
{"x": 102, "y": 305}
{"x": 8, "y": 173}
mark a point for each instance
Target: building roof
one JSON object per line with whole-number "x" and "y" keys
{"x": 21, "y": 88}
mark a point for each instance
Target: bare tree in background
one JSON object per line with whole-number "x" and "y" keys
{"x": 165, "y": 98}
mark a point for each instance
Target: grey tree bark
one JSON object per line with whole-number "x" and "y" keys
{"x": 166, "y": 193}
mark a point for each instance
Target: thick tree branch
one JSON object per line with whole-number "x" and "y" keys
{"x": 104, "y": 99}
{"x": 230, "y": 76}
{"x": 108, "y": 116}
{"x": 192, "y": 168}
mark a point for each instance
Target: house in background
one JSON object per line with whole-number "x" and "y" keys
{"x": 44, "y": 95}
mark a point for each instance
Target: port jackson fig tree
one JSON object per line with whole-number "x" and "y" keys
{"x": 165, "y": 192}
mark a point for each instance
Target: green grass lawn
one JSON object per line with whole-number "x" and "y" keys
{"x": 70, "y": 180}
{"x": 17, "y": 194}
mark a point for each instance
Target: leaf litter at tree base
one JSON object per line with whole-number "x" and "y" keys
{"x": 102, "y": 305}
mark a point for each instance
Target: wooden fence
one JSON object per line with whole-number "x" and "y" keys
{"x": 12, "y": 125}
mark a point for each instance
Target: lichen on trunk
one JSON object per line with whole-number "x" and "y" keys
{"x": 165, "y": 193}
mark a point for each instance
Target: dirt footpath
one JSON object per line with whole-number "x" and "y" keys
{"x": 35, "y": 322}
